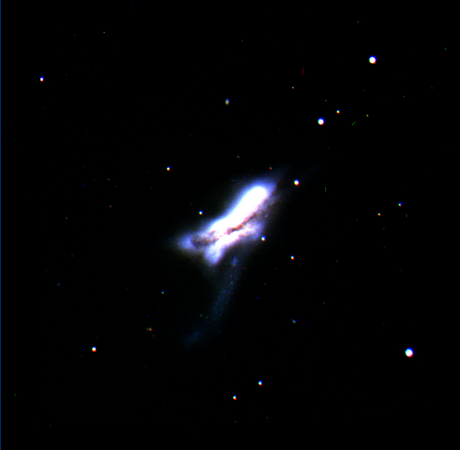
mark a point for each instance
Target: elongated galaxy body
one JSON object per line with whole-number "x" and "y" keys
{"x": 244, "y": 221}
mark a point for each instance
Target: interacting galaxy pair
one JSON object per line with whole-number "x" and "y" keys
{"x": 243, "y": 223}
{"x": 235, "y": 233}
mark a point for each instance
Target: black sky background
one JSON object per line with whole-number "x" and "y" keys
{"x": 97, "y": 206}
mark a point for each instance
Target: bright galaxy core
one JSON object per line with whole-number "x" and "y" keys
{"x": 243, "y": 223}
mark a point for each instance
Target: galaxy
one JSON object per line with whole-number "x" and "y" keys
{"x": 226, "y": 225}
{"x": 243, "y": 223}
{"x": 241, "y": 227}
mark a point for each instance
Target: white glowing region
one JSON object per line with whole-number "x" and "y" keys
{"x": 244, "y": 221}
